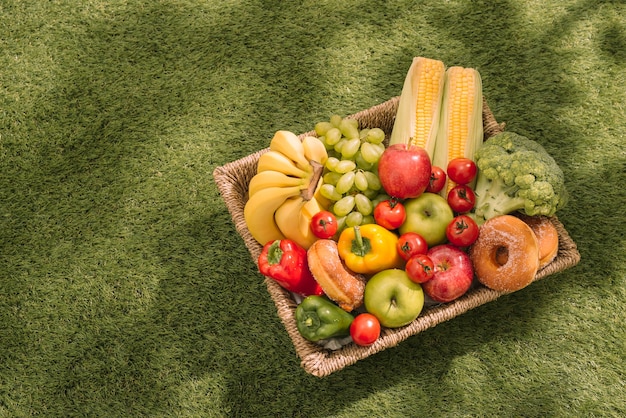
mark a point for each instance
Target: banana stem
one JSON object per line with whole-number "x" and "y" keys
{"x": 318, "y": 169}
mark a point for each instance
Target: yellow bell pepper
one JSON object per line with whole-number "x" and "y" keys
{"x": 368, "y": 249}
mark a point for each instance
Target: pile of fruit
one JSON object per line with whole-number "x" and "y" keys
{"x": 365, "y": 229}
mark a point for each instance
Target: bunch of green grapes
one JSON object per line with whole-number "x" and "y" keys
{"x": 351, "y": 177}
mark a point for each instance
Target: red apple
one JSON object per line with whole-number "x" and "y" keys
{"x": 404, "y": 171}
{"x": 453, "y": 273}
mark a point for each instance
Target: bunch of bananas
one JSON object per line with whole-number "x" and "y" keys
{"x": 284, "y": 193}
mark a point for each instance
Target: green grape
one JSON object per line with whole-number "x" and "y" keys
{"x": 331, "y": 163}
{"x": 322, "y": 127}
{"x": 346, "y": 182}
{"x": 332, "y": 178}
{"x": 375, "y": 136}
{"x": 344, "y": 206}
{"x": 371, "y": 194}
{"x": 380, "y": 148}
{"x": 363, "y": 133}
{"x": 373, "y": 182}
{"x": 350, "y": 148}
{"x": 335, "y": 120}
{"x": 363, "y": 204}
{"x": 369, "y": 219}
{"x": 341, "y": 223}
{"x": 333, "y": 135}
{"x": 369, "y": 152}
{"x": 354, "y": 219}
{"x": 380, "y": 198}
{"x": 339, "y": 145}
{"x": 360, "y": 181}
{"x": 361, "y": 163}
{"x": 348, "y": 129}
{"x": 330, "y": 192}
{"x": 344, "y": 166}
{"x": 353, "y": 122}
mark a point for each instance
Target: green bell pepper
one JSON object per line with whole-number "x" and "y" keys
{"x": 317, "y": 318}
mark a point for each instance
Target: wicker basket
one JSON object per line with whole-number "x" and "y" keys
{"x": 232, "y": 180}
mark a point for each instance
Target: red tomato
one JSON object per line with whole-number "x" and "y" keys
{"x": 324, "y": 224}
{"x": 390, "y": 214}
{"x": 410, "y": 244}
{"x": 365, "y": 329}
{"x": 461, "y": 198}
{"x": 462, "y": 170}
{"x": 437, "y": 179}
{"x": 420, "y": 268}
{"x": 462, "y": 231}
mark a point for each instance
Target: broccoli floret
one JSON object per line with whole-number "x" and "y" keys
{"x": 516, "y": 174}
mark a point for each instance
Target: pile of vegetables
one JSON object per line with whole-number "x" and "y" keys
{"x": 336, "y": 186}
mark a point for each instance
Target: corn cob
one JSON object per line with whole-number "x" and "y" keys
{"x": 460, "y": 130}
{"x": 417, "y": 118}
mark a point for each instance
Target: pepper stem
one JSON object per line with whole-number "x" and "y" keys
{"x": 360, "y": 245}
{"x": 311, "y": 321}
{"x": 358, "y": 236}
{"x": 274, "y": 253}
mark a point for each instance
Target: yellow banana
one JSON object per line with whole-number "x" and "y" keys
{"x": 259, "y": 212}
{"x": 289, "y": 144}
{"x": 314, "y": 150}
{"x": 288, "y": 218}
{"x": 294, "y": 220}
{"x": 282, "y": 195}
{"x": 271, "y": 178}
{"x": 276, "y": 161}
{"x": 311, "y": 208}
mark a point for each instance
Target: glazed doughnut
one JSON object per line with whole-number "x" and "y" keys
{"x": 547, "y": 236}
{"x": 339, "y": 284}
{"x": 506, "y": 254}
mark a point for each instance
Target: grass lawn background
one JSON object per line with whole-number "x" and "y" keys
{"x": 124, "y": 288}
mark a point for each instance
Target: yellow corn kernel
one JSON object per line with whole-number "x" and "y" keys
{"x": 417, "y": 118}
{"x": 461, "y": 125}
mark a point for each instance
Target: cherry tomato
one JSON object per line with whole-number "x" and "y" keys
{"x": 462, "y": 231}
{"x": 437, "y": 179}
{"x": 462, "y": 170}
{"x": 410, "y": 244}
{"x": 420, "y": 268}
{"x": 390, "y": 214}
{"x": 324, "y": 224}
{"x": 365, "y": 329}
{"x": 461, "y": 198}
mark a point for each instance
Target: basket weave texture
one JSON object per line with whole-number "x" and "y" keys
{"x": 232, "y": 181}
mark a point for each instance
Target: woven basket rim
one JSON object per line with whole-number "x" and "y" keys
{"x": 316, "y": 360}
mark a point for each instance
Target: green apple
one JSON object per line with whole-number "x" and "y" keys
{"x": 393, "y": 298}
{"x": 427, "y": 215}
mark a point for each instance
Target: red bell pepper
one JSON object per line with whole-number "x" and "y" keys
{"x": 286, "y": 262}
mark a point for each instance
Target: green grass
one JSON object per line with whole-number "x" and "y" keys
{"x": 124, "y": 288}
